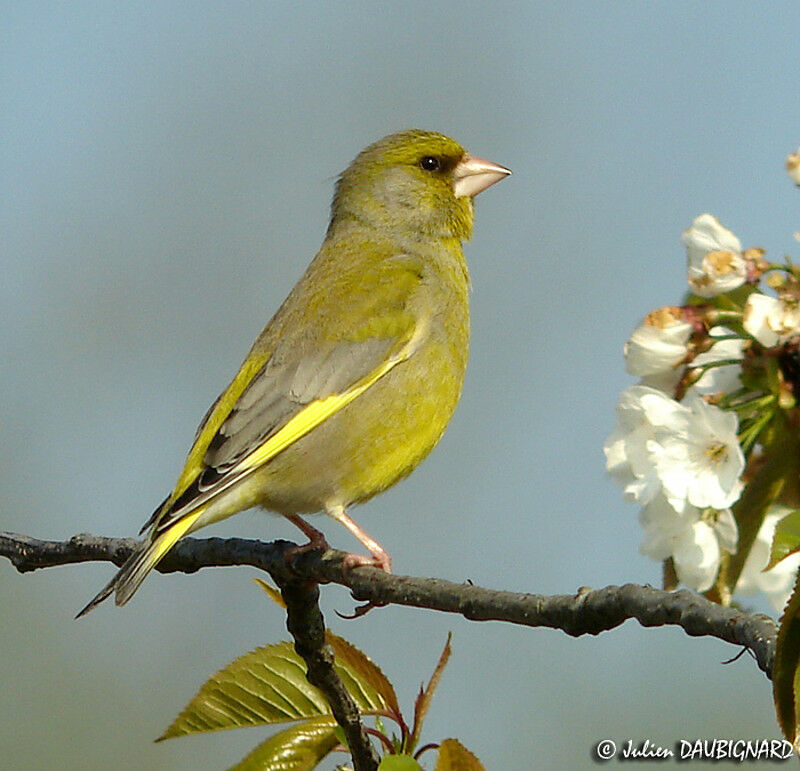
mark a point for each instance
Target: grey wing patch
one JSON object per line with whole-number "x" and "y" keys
{"x": 276, "y": 393}
{"x": 282, "y": 388}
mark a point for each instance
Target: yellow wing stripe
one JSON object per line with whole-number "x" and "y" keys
{"x": 171, "y": 535}
{"x": 311, "y": 416}
{"x": 132, "y": 574}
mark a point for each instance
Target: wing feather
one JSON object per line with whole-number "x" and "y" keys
{"x": 351, "y": 343}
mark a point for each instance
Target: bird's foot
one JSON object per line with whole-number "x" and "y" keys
{"x": 379, "y": 556}
{"x": 379, "y": 559}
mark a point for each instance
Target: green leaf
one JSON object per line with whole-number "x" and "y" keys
{"x": 267, "y": 686}
{"x": 361, "y": 674}
{"x": 786, "y": 540}
{"x": 399, "y": 763}
{"x": 454, "y": 756}
{"x": 299, "y": 748}
{"x": 786, "y": 669}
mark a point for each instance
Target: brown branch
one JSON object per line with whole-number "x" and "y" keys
{"x": 586, "y": 612}
{"x": 305, "y": 622}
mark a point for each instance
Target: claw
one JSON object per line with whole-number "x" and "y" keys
{"x": 360, "y": 610}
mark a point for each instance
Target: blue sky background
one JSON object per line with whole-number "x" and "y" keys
{"x": 165, "y": 173}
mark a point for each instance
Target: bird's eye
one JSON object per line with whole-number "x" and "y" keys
{"x": 430, "y": 163}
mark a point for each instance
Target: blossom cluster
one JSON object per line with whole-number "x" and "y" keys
{"x": 713, "y": 375}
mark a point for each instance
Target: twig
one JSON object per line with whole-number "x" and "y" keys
{"x": 305, "y": 622}
{"x": 586, "y": 612}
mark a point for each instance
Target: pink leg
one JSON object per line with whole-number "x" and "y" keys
{"x": 316, "y": 540}
{"x": 380, "y": 557}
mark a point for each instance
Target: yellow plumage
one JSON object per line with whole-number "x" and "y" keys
{"x": 355, "y": 378}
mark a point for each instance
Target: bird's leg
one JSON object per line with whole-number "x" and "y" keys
{"x": 380, "y": 557}
{"x": 316, "y": 540}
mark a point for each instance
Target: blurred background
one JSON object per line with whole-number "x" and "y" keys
{"x": 165, "y": 173}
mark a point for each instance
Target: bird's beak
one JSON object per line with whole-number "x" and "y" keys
{"x": 472, "y": 175}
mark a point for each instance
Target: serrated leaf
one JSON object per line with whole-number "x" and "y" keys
{"x": 366, "y": 675}
{"x": 786, "y": 669}
{"x": 299, "y": 748}
{"x": 264, "y": 687}
{"x": 399, "y": 763}
{"x": 786, "y": 539}
{"x": 454, "y": 756}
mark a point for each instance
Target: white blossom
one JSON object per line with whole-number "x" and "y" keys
{"x": 643, "y": 414}
{"x": 690, "y": 451}
{"x": 715, "y": 261}
{"x": 702, "y": 463}
{"x": 692, "y": 539}
{"x": 697, "y": 557}
{"x": 777, "y": 582}
{"x": 657, "y": 348}
{"x": 771, "y": 320}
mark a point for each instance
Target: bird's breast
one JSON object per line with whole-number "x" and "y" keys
{"x": 386, "y": 432}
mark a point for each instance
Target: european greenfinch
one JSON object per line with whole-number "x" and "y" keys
{"x": 353, "y": 381}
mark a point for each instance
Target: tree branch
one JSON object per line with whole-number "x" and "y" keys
{"x": 305, "y": 622}
{"x": 586, "y": 612}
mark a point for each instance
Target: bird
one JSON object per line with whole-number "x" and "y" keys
{"x": 354, "y": 379}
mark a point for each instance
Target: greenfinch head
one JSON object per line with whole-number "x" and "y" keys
{"x": 415, "y": 182}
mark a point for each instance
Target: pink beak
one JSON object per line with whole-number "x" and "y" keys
{"x": 473, "y": 175}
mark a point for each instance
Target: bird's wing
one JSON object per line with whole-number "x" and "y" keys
{"x": 357, "y": 334}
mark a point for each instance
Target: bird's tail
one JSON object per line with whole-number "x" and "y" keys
{"x": 141, "y": 562}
